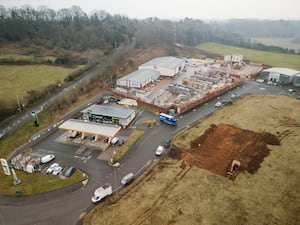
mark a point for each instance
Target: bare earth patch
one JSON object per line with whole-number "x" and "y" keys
{"x": 221, "y": 144}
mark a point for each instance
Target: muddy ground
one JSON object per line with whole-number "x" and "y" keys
{"x": 221, "y": 144}
{"x": 174, "y": 191}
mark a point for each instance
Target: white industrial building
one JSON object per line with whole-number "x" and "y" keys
{"x": 280, "y": 75}
{"x": 168, "y": 66}
{"x": 138, "y": 78}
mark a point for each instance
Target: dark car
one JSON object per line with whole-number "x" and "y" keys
{"x": 167, "y": 143}
{"x": 69, "y": 171}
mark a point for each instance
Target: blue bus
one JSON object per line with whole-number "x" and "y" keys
{"x": 167, "y": 118}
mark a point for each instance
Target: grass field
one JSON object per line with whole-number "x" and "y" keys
{"x": 269, "y": 58}
{"x": 171, "y": 192}
{"x": 36, "y": 183}
{"x": 281, "y": 42}
{"x": 17, "y": 80}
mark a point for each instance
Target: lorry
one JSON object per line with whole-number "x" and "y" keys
{"x": 166, "y": 118}
{"x": 101, "y": 192}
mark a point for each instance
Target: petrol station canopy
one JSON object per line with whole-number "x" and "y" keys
{"x": 100, "y": 129}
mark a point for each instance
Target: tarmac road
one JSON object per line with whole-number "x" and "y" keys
{"x": 65, "y": 207}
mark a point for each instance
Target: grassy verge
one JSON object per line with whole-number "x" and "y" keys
{"x": 269, "y": 58}
{"x": 27, "y": 58}
{"x": 37, "y": 183}
{"x": 124, "y": 148}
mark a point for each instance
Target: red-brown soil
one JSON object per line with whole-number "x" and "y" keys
{"x": 219, "y": 145}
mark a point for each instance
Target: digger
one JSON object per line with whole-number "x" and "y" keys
{"x": 233, "y": 167}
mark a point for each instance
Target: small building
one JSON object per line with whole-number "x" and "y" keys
{"x": 168, "y": 66}
{"x": 109, "y": 114}
{"x": 138, "y": 78}
{"x": 278, "y": 74}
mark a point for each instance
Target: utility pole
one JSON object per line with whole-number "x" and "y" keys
{"x": 19, "y": 106}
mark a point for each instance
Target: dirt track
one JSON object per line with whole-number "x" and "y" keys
{"x": 221, "y": 144}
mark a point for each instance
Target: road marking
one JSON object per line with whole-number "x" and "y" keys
{"x": 80, "y": 150}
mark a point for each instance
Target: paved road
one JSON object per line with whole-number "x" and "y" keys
{"x": 67, "y": 208}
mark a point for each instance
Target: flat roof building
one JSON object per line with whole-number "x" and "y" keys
{"x": 279, "y": 74}
{"x": 138, "y": 78}
{"x": 168, "y": 66}
{"x": 109, "y": 114}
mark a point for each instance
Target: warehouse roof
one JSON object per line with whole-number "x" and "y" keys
{"x": 285, "y": 71}
{"x": 140, "y": 76}
{"x": 167, "y": 62}
{"x": 113, "y": 111}
{"x": 90, "y": 127}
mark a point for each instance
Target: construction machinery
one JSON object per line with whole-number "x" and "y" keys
{"x": 233, "y": 168}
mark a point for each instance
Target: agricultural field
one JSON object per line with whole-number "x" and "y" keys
{"x": 269, "y": 58}
{"x": 184, "y": 190}
{"x": 281, "y": 42}
{"x": 17, "y": 80}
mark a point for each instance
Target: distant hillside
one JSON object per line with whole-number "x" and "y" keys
{"x": 263, "y": 28}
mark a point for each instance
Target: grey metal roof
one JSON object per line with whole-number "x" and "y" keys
{"x": 285, "y": 71}
{"x": 167, "y": 62}
{"x": 140, "y": 76}
{"x": 90, "y": 127}
{"x": 114, "y": 111}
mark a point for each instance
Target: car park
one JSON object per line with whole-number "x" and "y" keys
{"x": 47, "y": 158}
{"x": 57, "y": 170}
{"x": 69, "y": 171}
{"x": 52, "y": 167}
{"x": 159, "y": 150}
{"x": 127, "y": 179}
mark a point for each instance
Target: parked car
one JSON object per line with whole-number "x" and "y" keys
{"x": 159, "y": 150}
{"x": 2, "y": 135}
{"x": 52, "y": 167}
{"x": 114, "y": 141}
{"x": 57, "y": 170}
{"x": 69, "y": 171}
{"x": 121, "y": 142}
{"x": 47, "y": 158}
{"x": 127, "y": 179}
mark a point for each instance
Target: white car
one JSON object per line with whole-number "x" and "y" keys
{"x": 159, "y": 150}
{"x": 114, "y": 141}
{"x": 47, "y": 158}
{"x": 52, "y": 167}
{"x": 127, "y": 179}
{"x": 218, "y": 104}
{"x": 57, "y": 170}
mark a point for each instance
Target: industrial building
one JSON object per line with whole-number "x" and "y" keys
{"x": 280, "y": 75}
{"x": 168, "y": 66}
{"x": 138, "y": 78}
{"x": 109, "y": 114}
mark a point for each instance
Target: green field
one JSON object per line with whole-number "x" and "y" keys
{"x": 17, "y": 80}
{"x": 281, "y": 42}
{"x": 269, "y": 58}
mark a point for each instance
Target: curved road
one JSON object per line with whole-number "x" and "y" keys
{"x": 59, "y": 208}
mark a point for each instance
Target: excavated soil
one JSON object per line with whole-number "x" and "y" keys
{"x": 219, "y": 145}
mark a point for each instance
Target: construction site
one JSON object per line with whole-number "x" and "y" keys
{"x": 194, "y": 82}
